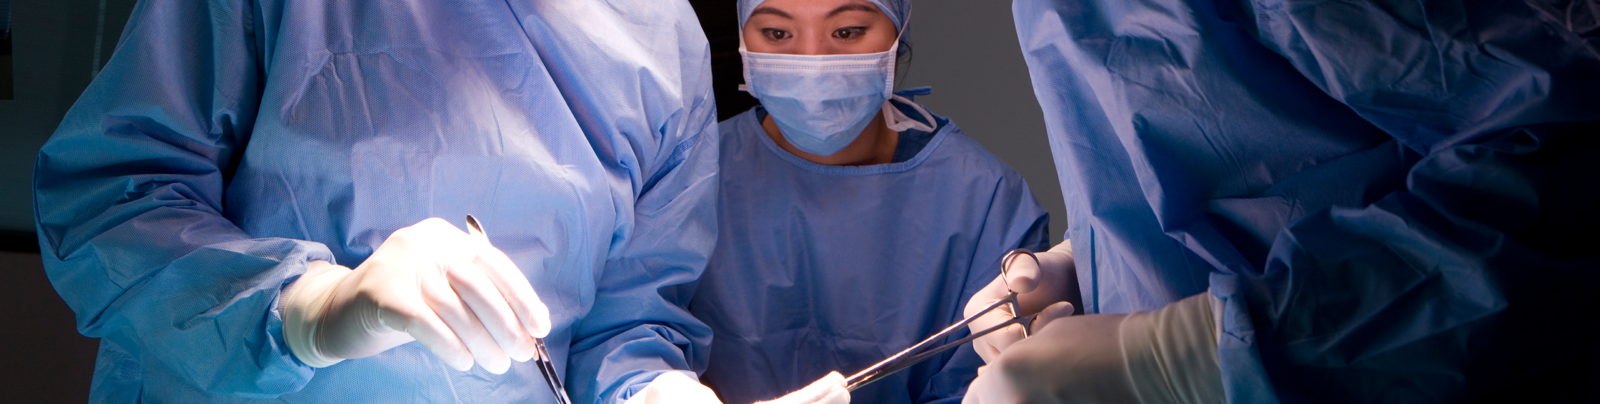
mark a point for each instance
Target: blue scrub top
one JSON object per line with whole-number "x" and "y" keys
{"x": 226, "y": 143}
{"x": 833, "y": 268}
{"x": 1394, "y": 201}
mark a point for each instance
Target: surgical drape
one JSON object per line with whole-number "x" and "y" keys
{"x": 226, "y": 143}
{"x": 1391, "y": 199}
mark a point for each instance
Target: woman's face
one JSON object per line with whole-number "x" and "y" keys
{"x": 818, "y": 27}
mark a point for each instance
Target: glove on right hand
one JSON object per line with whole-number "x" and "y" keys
{"x": 461, "y": 297}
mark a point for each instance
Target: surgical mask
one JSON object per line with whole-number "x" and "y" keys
{"x": 821, "y": 103}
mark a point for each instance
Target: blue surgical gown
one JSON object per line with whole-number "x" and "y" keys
{"x": 1393, "y": 200}
{"x": 833, "y": 268}
{"x": 227, "y": 142}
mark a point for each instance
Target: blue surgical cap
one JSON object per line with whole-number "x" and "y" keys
{"x": 897, "y": 10}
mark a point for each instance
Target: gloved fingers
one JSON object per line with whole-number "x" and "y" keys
{"x": 490, "y": 308}
{"x": 1025, "y": 273}
{"x": 423, "y": 324}
{"x": 988, "y": 388}
{"x": 830, "y": 389}
{"x": 840, "y": 396}
{"x": 989, "y": 347}
{"x": 1070, "y": 359}
{"x": 834, "y": 385}
{"x": 515, "y": 288}
{"x": 1021, "y": 273}
{"x": 1049, "y": 280}
{"x": 1051, "y": 313}
{"x": 993, "y": 292}
{"x": 1063, "y": 247}
{"x": 461, "y": 321}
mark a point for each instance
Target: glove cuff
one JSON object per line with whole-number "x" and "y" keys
{"x": 1172, "y": 353}
{"x": 303, "y": 303}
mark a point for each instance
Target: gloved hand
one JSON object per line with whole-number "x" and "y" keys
{"x": 459, "y": 296}
{"x": 1051, "y": 282}
{"x": 674, "y": 387}
{"x": 827, "y": 390}
{"x": 679, "y": 388}
{"x": 1164, "y": 356}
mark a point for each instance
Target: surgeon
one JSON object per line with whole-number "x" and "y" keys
{"x": 854, "y": 223}
{"x": 1309, "y": 201}
{"x": 265, "y": 201}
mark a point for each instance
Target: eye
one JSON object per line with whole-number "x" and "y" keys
{"x": 849, "y": 32}
{"x": 774, "y": 34}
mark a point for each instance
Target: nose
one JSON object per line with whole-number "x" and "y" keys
{"x": 815, "y": 44}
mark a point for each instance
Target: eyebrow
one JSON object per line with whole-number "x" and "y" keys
{"x": 852, "y": 7}
{"x": 769, "y": 10}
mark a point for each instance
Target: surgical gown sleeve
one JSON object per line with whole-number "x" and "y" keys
{"x": 128, "y": 205}
{"x": 637, "y": 76}
{"x": 1391, "y": 200}
{"x": 638, "y": 327}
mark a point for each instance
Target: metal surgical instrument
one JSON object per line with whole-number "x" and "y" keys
{"x": 926, "y": 349}
{"x": 546, "y": 363}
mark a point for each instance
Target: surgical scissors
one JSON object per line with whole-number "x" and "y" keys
{"x": 546, "y": 363}
{"x": 926, "y": 349}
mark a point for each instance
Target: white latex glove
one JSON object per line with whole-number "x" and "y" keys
{"x": 1164, "y": 356}
{"x": 674, "y": 387}
{"x": 827, "y": 390}
{"x": 463, "y": 299}
{"x": 1050, "y": 282}
{"x": 678, "y": 388}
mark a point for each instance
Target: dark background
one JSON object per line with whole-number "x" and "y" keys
{"x": 5, "y": 50}
{"x": 967, "y": 50}
{"x": 56, "y": 48}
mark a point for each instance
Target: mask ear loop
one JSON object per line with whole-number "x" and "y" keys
{"x": 899, "y": 122}
{"x": 894, "y": 53}
{"x": 892, "y": 117}
{"x": 743, "y": 71}
{"x": 745, "y": 86}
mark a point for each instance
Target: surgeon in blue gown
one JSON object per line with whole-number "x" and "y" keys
{"x": 1314, "y": 201}
{"x": 228, "y": 146}
{"x": 853, "y": 223}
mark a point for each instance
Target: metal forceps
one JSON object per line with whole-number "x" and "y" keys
{"x": 926, "y": 349}
{"x": 546, "y": 363}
